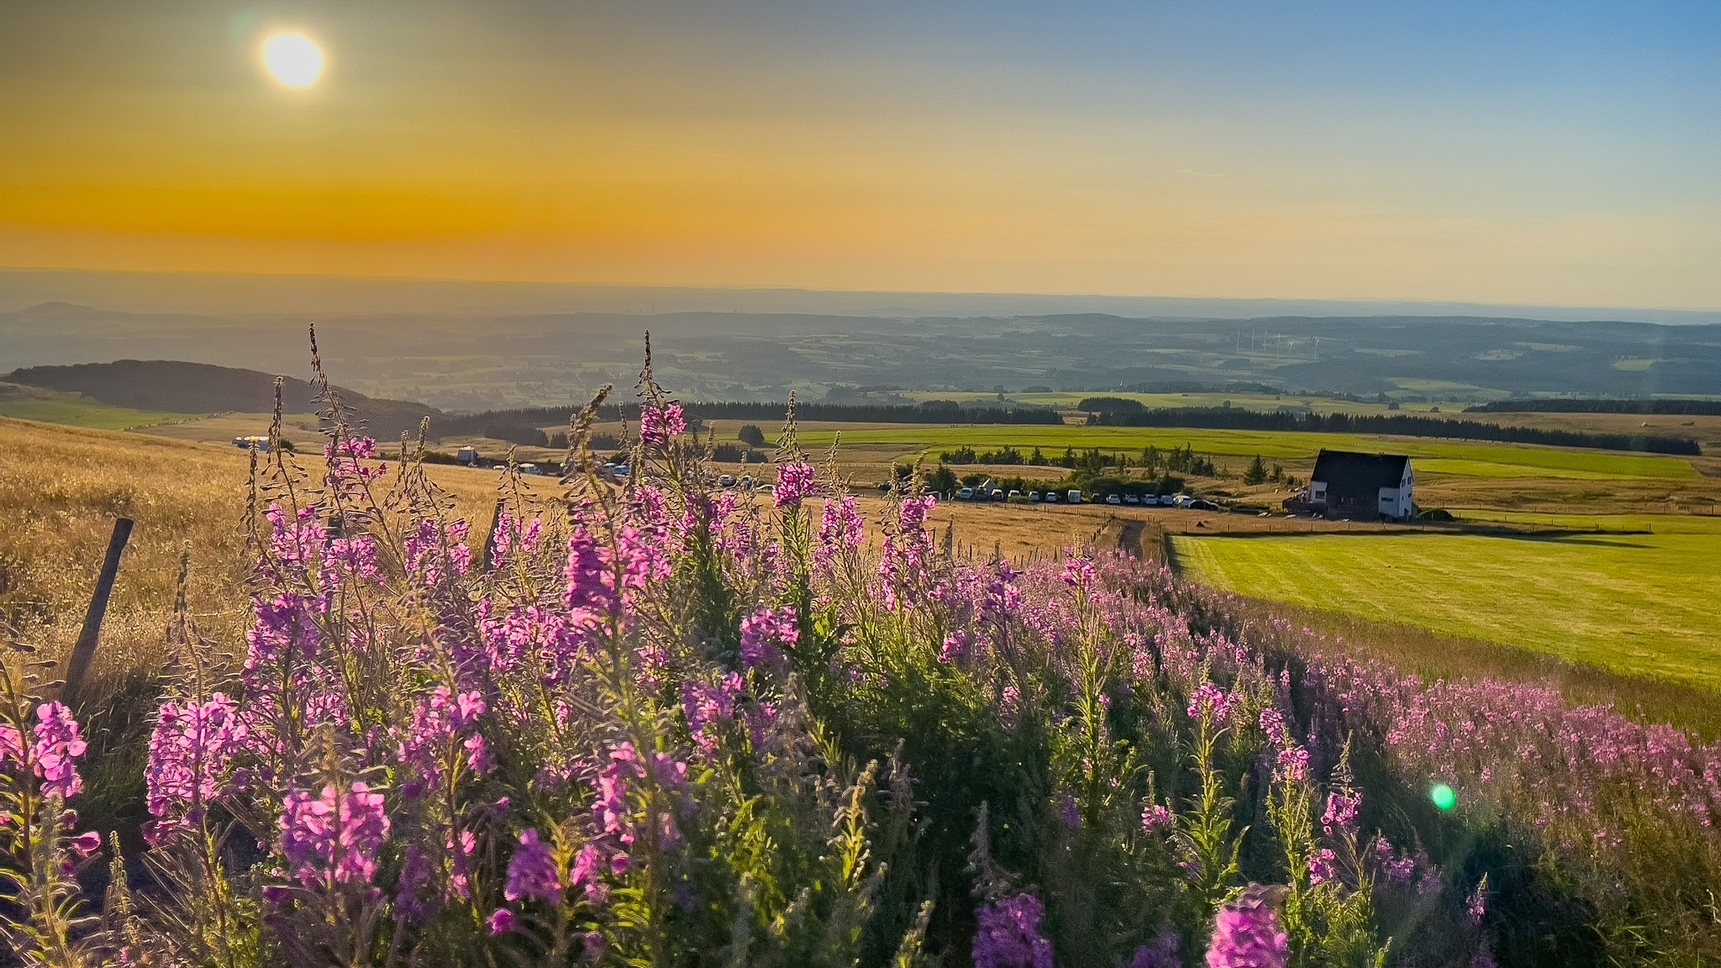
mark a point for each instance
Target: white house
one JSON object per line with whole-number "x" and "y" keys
{"x": 1363, "y": 485}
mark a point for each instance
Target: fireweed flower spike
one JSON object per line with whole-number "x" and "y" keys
{"x": 1246, "y": 934}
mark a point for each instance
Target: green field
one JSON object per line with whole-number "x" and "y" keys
{"x": 1247, "y": 401}
{"x": 1471, "y": 459}
{"x": 1639, "y": 604}
{"x": 74, "y": 410}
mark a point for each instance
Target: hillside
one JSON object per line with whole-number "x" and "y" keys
{"x": 175, "y": 387}
{"x": 463, "y": 360}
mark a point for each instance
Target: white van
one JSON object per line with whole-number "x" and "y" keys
{"x": 1075, "y": 496}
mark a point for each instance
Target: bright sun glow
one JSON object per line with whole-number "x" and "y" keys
{"x": 294, "y": 59}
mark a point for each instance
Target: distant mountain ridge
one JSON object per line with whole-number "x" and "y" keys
{"x": 175, "y": 386}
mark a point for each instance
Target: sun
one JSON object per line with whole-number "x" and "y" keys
{"x": 293, "y": 59}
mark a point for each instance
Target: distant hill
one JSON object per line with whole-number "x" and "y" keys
{"x": 177, "y": 387}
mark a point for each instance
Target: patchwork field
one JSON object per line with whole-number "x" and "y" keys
{"x": 1643, "y": 604}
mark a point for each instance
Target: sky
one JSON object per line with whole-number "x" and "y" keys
{"x": 1473, "y": 150}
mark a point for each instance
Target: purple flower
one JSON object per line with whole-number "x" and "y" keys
{"x": 1079, "y": 572}
{"x": 1072, "y": 813}
{"x": 1009, "y": 935}
{"x": 86, "y": 843}
{"x": 335, "y": 836}
{"x": 57, "y": 745}
{"x": 1292, "y": 765}
{"x": 794, "y": 483}
{"x": 1161, "y": 954}
{"x": 1157, "y": 818}
{"x": 1322, "y": 866}
{"x": 189, "y": 755}
{"x": 1246, "y": 934}
{"x": 1341, "y": 811}
{"x": 1476, "y": 907}
{"x": 840, "y": 530}
{"x": 1210, "y": 701}
{"x": 502, "y": 921}
{"x": 532, "y": 871}
{"x": 658, "y": 425}
{"x": 764, "y": 631}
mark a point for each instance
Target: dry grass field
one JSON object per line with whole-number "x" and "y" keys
{"x": 60, "y": 489}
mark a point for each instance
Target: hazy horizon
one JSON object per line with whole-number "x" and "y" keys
{"x": 262, "y": 293}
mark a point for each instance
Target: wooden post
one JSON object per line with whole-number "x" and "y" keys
{"x": 85, "y": 651}
{"x": 490, "y": 541}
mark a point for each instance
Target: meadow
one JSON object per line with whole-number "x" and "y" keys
{"x": 1642, "y": 604}
{"x": 76, "y": 410}
{"x": 649, "y": 738}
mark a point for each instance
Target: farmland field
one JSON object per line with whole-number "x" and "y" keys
{"x": 1640, "y": 604}
{"x": 1480, "y": 457}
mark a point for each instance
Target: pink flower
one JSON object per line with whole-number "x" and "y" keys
{"x": 1293, "y": 765}
{"x": 532, "y": 871}
{"x": 86, "y": 843}
{"x": 1322, "y": 866}
{"x": 57, "y": 745}
{"x": 794, "y": 483}
{"x": 189, "y": 755}
{"x": 658, "y": 425}
{"x": 1246, "y": 934}
{"x": 334, "y": 835}
{"x": 1210, "y": 701}
{"x": 1157, "y": 818}
{"x": 1341, "y": 811}
{"x": 764, "y": 631}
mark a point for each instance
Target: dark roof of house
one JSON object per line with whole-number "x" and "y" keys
{"x": 1350, "y": 473}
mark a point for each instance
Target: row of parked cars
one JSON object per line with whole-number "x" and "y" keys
{"x": 1075, "y": 496}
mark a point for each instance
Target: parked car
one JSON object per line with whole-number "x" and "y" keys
{"x": 1200, "y": 505}
{"x": 1014, "y": 494}
{"x": 1075, "y": 496}
{"x": 1113, "y": 499}
{"x": 1051, "y": 497}
{"x": 467, "y": 455}
{"x": 530, "y": 468}
{"x": 1181, "y": 500}
{"x": 997, "y": 494}
{"x": 1132, "y": 499}
{"x": 1034, "y": 497}
{"x": 1167, "y": 500}
{"x": 966, "y": 494}
{"x": 726, "y": 480}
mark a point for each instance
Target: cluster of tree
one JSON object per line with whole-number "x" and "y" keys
{"x": 734, "y": 454}
{"x": 943, "y": 480}
{"x": 1005, "y": 455}
{"x": 1258, "y": 472}
{"x": 1181, "y": 459}
{"x": 1236, "y": 418}
{"x": 933, "y": 411}
{"x": 1711, "y": 408}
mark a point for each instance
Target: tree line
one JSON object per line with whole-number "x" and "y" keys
{"x": 1236, "y": 418}
{"x": 1709, "y": 408}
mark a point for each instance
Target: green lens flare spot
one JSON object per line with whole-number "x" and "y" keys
{"x": 1443, "y": 796}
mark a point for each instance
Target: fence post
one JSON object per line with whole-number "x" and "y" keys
{"x": 85, "y": 651}
{"x": 490, "y": 541}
